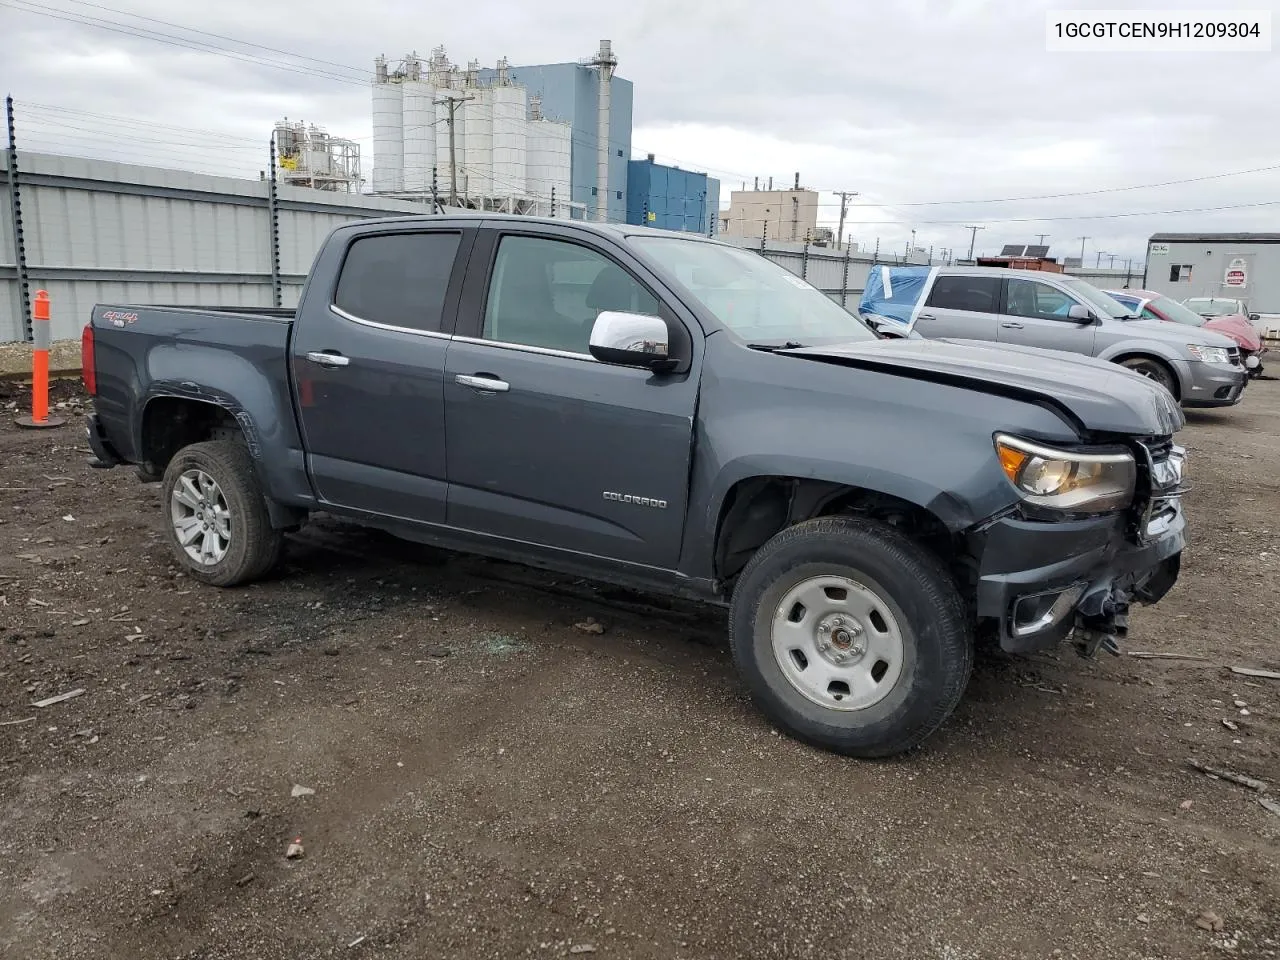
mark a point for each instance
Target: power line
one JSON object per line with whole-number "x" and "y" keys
{"x": 219, "y": 36}
{"x": 183, "y": 42}
{"x": 200, "y": 46}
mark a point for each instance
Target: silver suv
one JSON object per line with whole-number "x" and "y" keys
{"x": 1060, "y": 312}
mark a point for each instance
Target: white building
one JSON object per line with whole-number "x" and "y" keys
{"x": 502, "y": 155}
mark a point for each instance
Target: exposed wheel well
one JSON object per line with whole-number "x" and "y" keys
{"x": 759, "y": 507}
{"x": 1160, "y": 361}
{"x": 171, "y": 423}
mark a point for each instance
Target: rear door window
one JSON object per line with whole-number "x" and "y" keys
{"x": 398, "y": 279}
{"x": 973, "y": 294}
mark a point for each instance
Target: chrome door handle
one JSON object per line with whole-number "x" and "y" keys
{"x": 926, "y": 316}
{"x": 328, "y": 359}
{"x": 1010, "y": 325}
{"x": 487, "y": 384}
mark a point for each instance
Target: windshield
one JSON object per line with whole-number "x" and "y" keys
{"x": 1177, "y": 312}
{"x": 1106, "y": 305}
{"x": 1208, "y": 307}
{"x": 751, "y": 295}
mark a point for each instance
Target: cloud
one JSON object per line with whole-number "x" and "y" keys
{"x": 906, "y": 103}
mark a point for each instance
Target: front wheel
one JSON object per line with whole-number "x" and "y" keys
{"x": 216, "y": 518}
{"x": 1152, "y": 370}
{"x": 851, "y": 636}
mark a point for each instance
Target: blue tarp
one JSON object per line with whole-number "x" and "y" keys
{"x": 892, "y": 293}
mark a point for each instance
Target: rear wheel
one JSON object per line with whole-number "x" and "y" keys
{"x": 1152, "y": 370}
{"x": 216, "y": 516}
{"x": 851, "y": 636}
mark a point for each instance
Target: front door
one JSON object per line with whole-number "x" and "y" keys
{"x": 1036, "y": 315}
{"x": 545, "y": 444}
{"x": 960, "y": 305}
{"x": 368, "y": 370}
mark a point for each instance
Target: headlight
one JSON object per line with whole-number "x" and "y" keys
{"x": 1067, "y": 480}
{"x": 1208, "y": 354}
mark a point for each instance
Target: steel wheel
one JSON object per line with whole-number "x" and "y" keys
{"x": 200, "y": 516}
{"x": 838, "y": 643}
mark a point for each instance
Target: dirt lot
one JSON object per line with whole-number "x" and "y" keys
{"x": 491, "y": 781}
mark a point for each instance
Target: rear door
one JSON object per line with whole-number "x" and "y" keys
{"x": 1035, "y": 315}
{"x": 368, "y": 368}
{"x": 960, "y": 305}
{"x": 546, "y": 444}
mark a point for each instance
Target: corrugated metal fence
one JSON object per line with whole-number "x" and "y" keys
{"x": 97, "y": 231}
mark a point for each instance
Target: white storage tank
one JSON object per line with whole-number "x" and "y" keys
{"x": 549, "y": 163}
{"x": 419, "y": 135}
{"x": 475, "y": 117}
{"x": 388, "y": 138}
{"x": 509, "y": 140}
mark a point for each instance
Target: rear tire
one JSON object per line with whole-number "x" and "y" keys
{"x": 216, "y": 518}
{"x": 1152, "y": 370}
{"x": 869, "y": 675}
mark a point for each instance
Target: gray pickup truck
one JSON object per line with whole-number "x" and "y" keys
{"x": 673, "y": 414}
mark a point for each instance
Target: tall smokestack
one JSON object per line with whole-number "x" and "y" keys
{"x": 605, "y": 62}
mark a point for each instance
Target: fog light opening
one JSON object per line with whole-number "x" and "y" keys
{"x": 1039, "y": 611}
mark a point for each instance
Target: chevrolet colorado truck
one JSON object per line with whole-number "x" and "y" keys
{"x": 673, "y": 414}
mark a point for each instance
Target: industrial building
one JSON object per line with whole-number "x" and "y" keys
{"x": 1240, "y": 266}
{"x": 597, "y": 104}
{"x": 669, "y": 198}
{"x": 447, "y": 134}
{"x": 307, "y": 156}
{"x": 775, "y": 214}
{"x": 552, "y": 139}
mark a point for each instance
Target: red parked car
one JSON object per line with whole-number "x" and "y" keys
{"x": 1156, "y": 306}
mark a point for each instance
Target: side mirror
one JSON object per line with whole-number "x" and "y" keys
{"x": 1254, "y": 318}
{"x": 1079, "y": 311}
{"x": 631, "y": 339}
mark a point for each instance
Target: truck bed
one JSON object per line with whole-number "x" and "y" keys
{"x": 210, "y": 353}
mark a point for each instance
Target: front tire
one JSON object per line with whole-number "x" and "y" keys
{"x": 1152, "y": 370}
{"x": 216, "y": 518}
{"x": 851, "y": 636}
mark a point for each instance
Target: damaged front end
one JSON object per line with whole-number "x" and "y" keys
{"x": 1042, "y": 581}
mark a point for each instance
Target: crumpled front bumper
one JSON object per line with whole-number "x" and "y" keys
{"x": 1039, "y": 580}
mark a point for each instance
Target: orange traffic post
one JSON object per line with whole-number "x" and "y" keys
{"x": 40, "y": 366}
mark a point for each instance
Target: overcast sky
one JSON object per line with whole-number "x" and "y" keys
{"x": 906, "y": 102}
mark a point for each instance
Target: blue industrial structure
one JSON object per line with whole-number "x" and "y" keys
{"x": 570, "y": 92}
{"x": 669, "y": 198}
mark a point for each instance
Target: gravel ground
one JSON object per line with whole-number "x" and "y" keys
{"x": 493, "y": 781}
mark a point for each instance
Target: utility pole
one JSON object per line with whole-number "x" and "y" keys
{"x": 1040, "y": 237}
{"x": 1082, "y": 240}
{"x": 453, "y": 102}
{"x": 973, "y": 233}
{"x": 844, "y": 207}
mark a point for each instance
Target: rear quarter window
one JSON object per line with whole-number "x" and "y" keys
{"x": 398, "y": 279}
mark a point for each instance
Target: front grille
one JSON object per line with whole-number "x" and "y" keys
{"x": 1233, "y": 356}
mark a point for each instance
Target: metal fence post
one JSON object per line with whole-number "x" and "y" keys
{"x": 553, "y": 201}
{"x": 435, "y": 193}
{"x": 273, "y": 215}
{"x": 844, "y": 283}
{"x": 23, "y": 282}
{"x": 804, "y": 258}
{"x": 764, "y": 237}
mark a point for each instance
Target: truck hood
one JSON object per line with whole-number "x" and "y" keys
{"x": 1096, "y": 394}
{"x": 1175, "y": 334}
